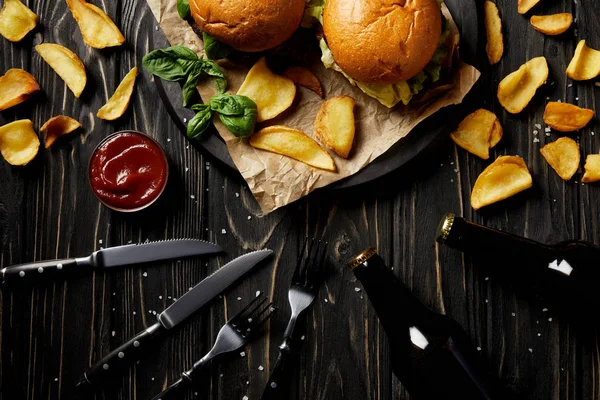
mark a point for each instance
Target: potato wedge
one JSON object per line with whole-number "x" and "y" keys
{"x": 118, "y": 103}
{"x": 58, "y": 126}
{"x": 292, "y": 143}
{"x": 592, "y": 169}
{"x": 505, "y": 177}
{"x": 17, "y": 86}
{"x": 16, "y": 20}
{"x": 304, "y": 77}
{"x": 563, "y": 156}
{"x": 97, "y": 29}
{"x": 585, "y": 64}
{"x": 565, "y": 117}
{"x": 19, "y": 143}
{"x": 335, "y": 125}
{"x": 66, "y": 64}
{"x": 493, "y": 29}
{"x": 518, "y": 88}
{"x": 273, "y": 94}
{"x": 478, "y": 133}
{"x": 526, "y": 5}
{"x": 552, "y": 25}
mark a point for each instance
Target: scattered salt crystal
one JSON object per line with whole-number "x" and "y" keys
{"x": 273, "y": 385}
{"x": 192, "y": 196}
{"x": 530, "y": 350}
{"x": 538, "y": 126}
{"x": 186, "y": 169}
{"x": 152, "y": 378}
{"x": 114, "y": 293}
{"x": 207, "y": 189}
{"x": 544, "y": 310}
{"x": 160, "y": 297}
{"x": 452, "y": 180}
{"x": 261, "y": 368}
{"x": 456, "y": 170}
{"x": 547, "y": 129}
{"x": 570, "y": 85}
{"x": 487, "y": 278}
{"x": 302, "y": 337}
{"x": 452, "y": 163}
{"x": 535, "y": 132}
{"x": 441, "y": 165}
{"x": 223, "y": 231}
{"x": 514, "y": 315}
{"x": 536, "y": 140}
{"x": 168, "y": 297}
{"x": 113, "y": 333}
{"x": 153, "y": 312}
{"x": 145, "y": 274}
{"x": 134, "y": 313}
{"x": 237, "y": 195}
{"x": 326, "y": 301}
{"x": 220, "y": 376}
{"x": 249, "y": 217}
{"x": 576, "y": 98}
{"x": 239, "y": 299}
{"x": 559, "y": 100}
{"x": 357, "y": 289}
{"x": 245, "y": 398}
{"x": 55, "y": 379}
{"x": 156, "y": 28}
{"x": 593, "y": 133}
{"x": 550, "y": 319}
{"x": 184, "y": 120}
{"x": 257, "y": 293}
{"x": 100, "y": 241}
{"x": 243, "y": 354}
{"x": 539, "y": 334}
{"x": 478, "y": 348}
{"x": 168, "y": 139}
{"x": 487, "y": 301}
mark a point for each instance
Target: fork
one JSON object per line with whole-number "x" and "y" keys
{"x": 234, "y": 335}
{"x": 306, "y": 280}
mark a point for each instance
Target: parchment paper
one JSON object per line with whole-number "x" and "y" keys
{"x": 278, "y": 180}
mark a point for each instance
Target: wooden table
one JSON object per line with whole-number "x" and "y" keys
{"x": 50, "y": 334}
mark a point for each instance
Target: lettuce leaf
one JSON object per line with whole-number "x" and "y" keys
{"x": 313, "y": 13}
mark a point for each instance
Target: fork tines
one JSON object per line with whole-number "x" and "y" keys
{"x": 253, "y": 316}
{"x": 309, "y": 268}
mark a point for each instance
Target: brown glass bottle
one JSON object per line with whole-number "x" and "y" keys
{"x": 430, "y": 353}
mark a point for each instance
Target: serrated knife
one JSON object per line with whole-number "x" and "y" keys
{"x": 186, "y": 305}
{"x": 107, "y": 258}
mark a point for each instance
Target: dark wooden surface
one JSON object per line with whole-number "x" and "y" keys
{"x": 50, "y": 334}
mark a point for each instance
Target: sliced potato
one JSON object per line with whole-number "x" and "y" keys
{"x": 17, "y": 86}
{"x": 58, "y": 126}
{"x": 592, "y": 169}
{"x": 563, "y": 156}
{"x": 16, "y": 20}
{"x": 518, "y": 88}
{"x": 273, "y": 94}
{"x": 493, "y": 29}
{"x": 526, "y": 5}
{"x": 478, "y": 133}
{"x": 505, "y": 177}
{"x": 19, "y": 143}
{"x": 292, "y": 143}
{"x": 552, "y": 25}
{"x": 66, "y": 64}
{"x": 119, "y": 101}
{"x": 565, "y": 117}
{"x": 335, "y": 125}
{"x": 585, "y": 64}
{"x": 304, "y": 77}
{"x": 97, "y": 29}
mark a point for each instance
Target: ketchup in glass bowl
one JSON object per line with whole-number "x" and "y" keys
{"x": 128, "y": 171}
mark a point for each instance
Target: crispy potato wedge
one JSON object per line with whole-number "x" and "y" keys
{"x": 585, "y": 64}
{"x": 526, "y": 5}
{"x": 58, "y": 126}
{"x": 563, "y": 156}
{"x": 17, "y": 86}
{"x": 505, "y": 177}
{"x": 518, "y": 88}
{"x": 118, "y": 103}
{"x": 493, "y": 29}
{"x": 478, "y": 133}
{"x": 273, "y": 94}
{"x": 304, "y": 77}
{"x": 16, "y": 20}
{"x": 552, "y": 25}
{"x": 293, "y": 143}
{"x": 97, "y": 29}
{"x": 565, "y": 117}
{"x": 335, "y": 125}
{"x": 592, "y": 169}
{"x": 19, "y": 143}
{"x": 66, "y": 64}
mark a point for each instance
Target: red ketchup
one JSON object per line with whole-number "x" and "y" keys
{"x": 128, "y": 171}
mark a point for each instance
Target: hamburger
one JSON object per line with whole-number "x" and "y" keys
{"x": 249, "y": 25}
{"x": 393, "y": 50}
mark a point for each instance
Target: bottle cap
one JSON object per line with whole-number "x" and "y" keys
{"x": 444, "y": 228}
{"x": 362, "y": 257}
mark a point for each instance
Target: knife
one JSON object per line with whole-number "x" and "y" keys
{"x": 107, "y": 258}
{"x": 186, "y": 305}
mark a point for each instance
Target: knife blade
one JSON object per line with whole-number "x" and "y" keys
{"x": 108, "y": 258}
{"x": 186, "y": 305}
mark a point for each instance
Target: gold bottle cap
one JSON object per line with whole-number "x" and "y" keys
{"x": 444, "y": 228}
{"x": 362, "y": 257}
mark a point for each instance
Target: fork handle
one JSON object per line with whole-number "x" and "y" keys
{"x": 278, "y": 386}
{"x": 174, "y": 392}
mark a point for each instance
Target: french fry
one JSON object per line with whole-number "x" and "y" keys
{"x": 118, "y": 103}
{"x": 478, "y": 133}
{"x": 552, "y": 25}
{"x": 16, "y": 20}
{"x": 97, "y": 29}
{"x": 505, "y": 177}
{"x": 17, "y": 86}
{"x": 518, "y": 88}
{"x": 273, "y": 94}
{"x": 304, "y": 77}
{"x": 563, "y": 156}
{"x": 526, "y": 5}
{"x": 292, "y": 143}
{"x": 19, "y": 143}
{"x": 565, "y": 117}
{"x": 66, "y": 64}
{"x": 585, "y": 64}
{"x": 58, "y": 126}
{"x": 335, "y": 125}
{"x": 592, "y": 169}
{"x": 493, "y": 28}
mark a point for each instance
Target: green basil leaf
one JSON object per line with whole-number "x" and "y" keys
{"x": 189, "y": 89}
{"x": 242, "y": 125}
{"x": 170, "y": 64}
{"x": 200, "y": 122}
{"x": 183, "y": 8}
{"x": 221, "y": 85}
{"x": 210, "y": 68}
{"x": 227, "y": 104}
{"x": 214, "y": 49}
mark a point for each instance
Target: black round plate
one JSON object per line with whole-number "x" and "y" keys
{"x": 465, "y": 15}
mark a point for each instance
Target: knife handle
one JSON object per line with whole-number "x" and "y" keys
{"x": 120, "y": 358}
{"x": 37, "y": 271}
